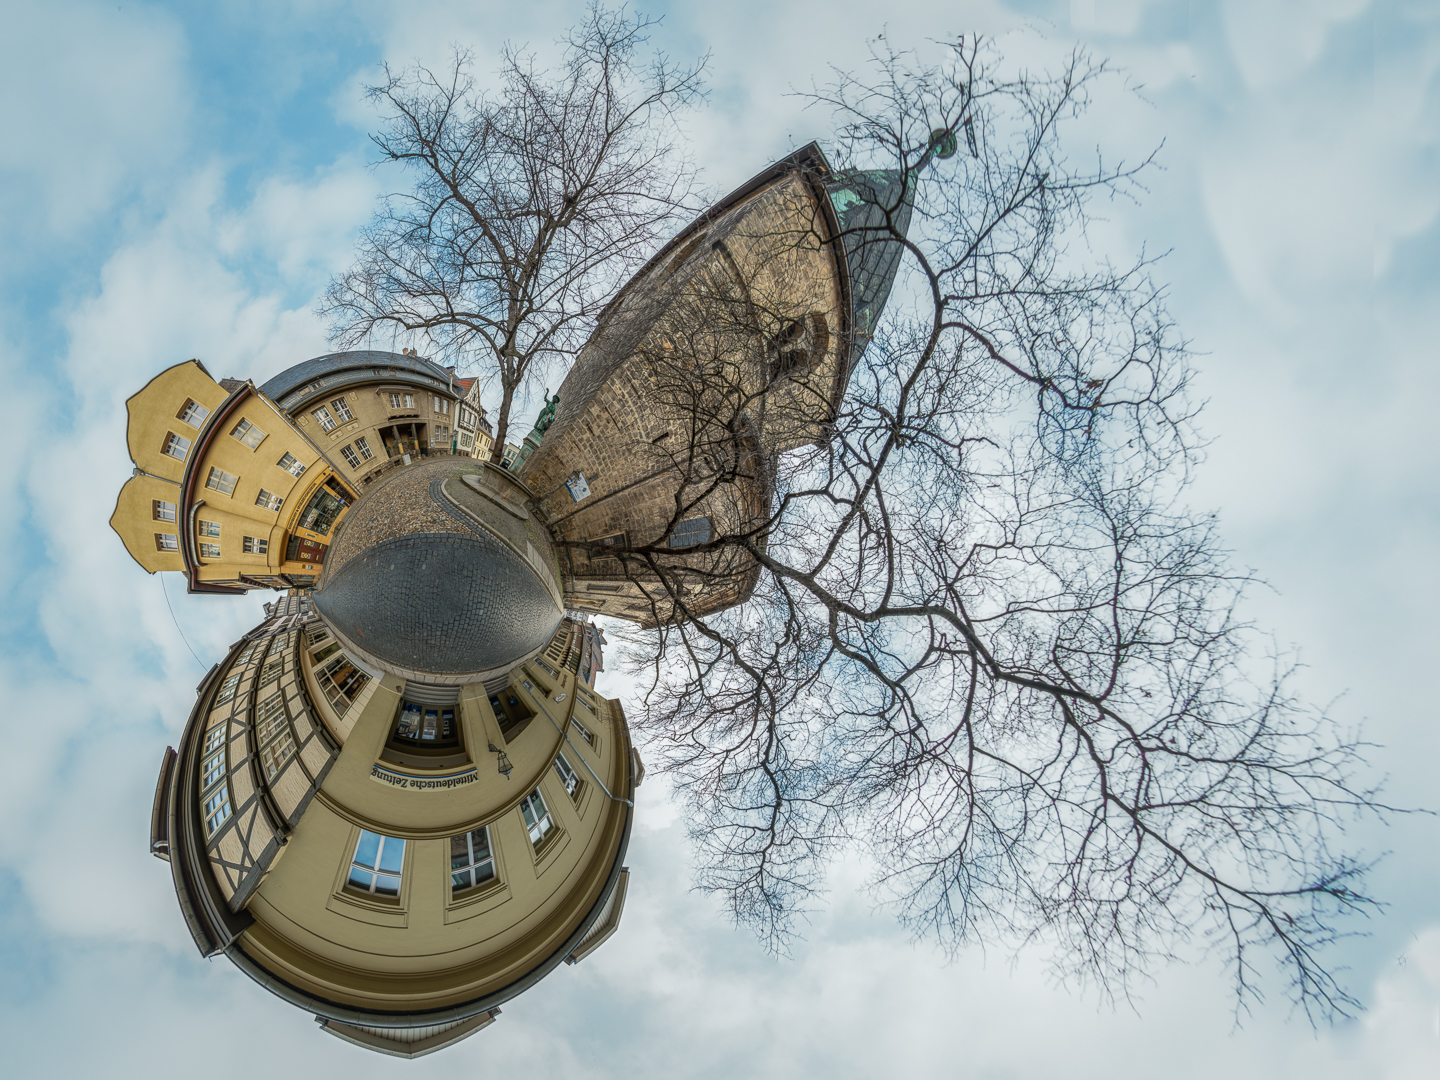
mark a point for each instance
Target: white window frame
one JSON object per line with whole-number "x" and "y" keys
{"x": 174, "y": 443}
{"x": 292, "y": 466}
{"x": 538, "y": 822}
{"x": 192, "y": 413}
{"x": 322, "y": 414}
{"x": 568, "y": 776}
{"x": 209, "y": 551}
{"x": 466, "y": 867}
{"x": 207, "y": 528}
{"x": 256, "y": 545}
{"x": 164, "y": 511}
{"x": 387, "y": 863}
{"x": 247, "y": 434}
{"x": 269, "y": 500}
{"x": 221, "y": 481}
{"x": 351, "y": 458}
{"x": 362, "y": 444}
{"x": 342, "y": 410}
{"x": 167, "y": 542}
{"x": 216, "y": 810}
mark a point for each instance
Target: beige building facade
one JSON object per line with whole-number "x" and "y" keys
{"x": 396, "y": 858}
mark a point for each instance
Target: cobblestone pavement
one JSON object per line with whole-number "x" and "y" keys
{"x": 417, "y": 584}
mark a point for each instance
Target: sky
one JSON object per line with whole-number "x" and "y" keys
{"x": 181, "y": 180}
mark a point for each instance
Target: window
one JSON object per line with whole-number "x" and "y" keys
{"x": 274, "y": 756}
{"x": 325, "y": 653}
{"x": 537, "y": 818}
{"x": 217, "y": 810}
{"x": 694, "y": 530}
{"x": 603, "y": 588}
{"x": 269, "y": 718}
{"x": 420, "y": 723}
{"x": 210, "y": 551}
{"x": 192, "y": 413}
{"x": 342, "y": 410}
{"x": 175, "y": 446}
{"x": 221, "y": 481}
{"x": 377, "y": 863}
{"x": 543, "y": 666}
{"x": 327, "y": 422}
{"x": 248, "y": 434}
{"x": 166, "y": 542}
{"x": 351, "y": 458}
{"x": 213, "y": 769}
{"x": 394, "y": 401}
{"x": 442, "y": 406}
{"x": 207, "y": 528}
{"x": 214, "y": 738}
{"x": 227, "y": 688}
{"x": 471, "y": 860}
{"x": 162, "y": 511}
{"x": 291, "y": 464}
{"x": 364, "y": 448}
{"x": 268, "y": 500}
{"x": 581, "y": 728}
{"x": 567, "y": 775}
{"x": 272, "y": 670}
{"x": 342, "y": 682}
{"x": 255, "y": 545}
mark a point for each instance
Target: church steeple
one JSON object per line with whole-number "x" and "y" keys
{"x": 869, "y": 204}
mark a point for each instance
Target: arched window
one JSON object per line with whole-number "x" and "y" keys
{"x": 691, "y": 531}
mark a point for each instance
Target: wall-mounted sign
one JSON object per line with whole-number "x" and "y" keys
{"x": 577, "y": 487}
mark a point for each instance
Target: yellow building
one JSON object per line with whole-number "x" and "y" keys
{"x": 225, "y": 488}
{"x": 397, "y": 858}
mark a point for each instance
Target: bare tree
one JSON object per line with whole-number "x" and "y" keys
{"x": 530, "y": 205}
{"x": 985, "y": 638}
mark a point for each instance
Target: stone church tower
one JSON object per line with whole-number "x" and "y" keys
{"x": 733, "y": 345}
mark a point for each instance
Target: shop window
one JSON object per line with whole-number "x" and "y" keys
{"x": 427, "y": 726}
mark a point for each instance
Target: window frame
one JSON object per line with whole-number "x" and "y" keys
{"x": 164, "y": 511}
{"x": 207, "y": 528}
{"x": 244, "y": 431}
{"x": 218, "y": 480}
{"x": 268, "y": 500}
{"x": 568, "y": 776}
{"x": 470, "y": 867}
{"x": 255, "y": 545}
{"x": 362, "y": 444}
{"x": 351, "y": 457}
{"x": 167, "y": 542}
{"x": 342, "y": 410}
{"x": 294, "y": 466}
{"x": 323, "y": 418}
{"x": 192, "y": 413}
{"x": 173, "y": 442}
{"x": 378, "y": 869}
{"x": 208, "y": 550}
{"x": 544, "y": 821}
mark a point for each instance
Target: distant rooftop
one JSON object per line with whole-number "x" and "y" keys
{"x": 326, "y": 368}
